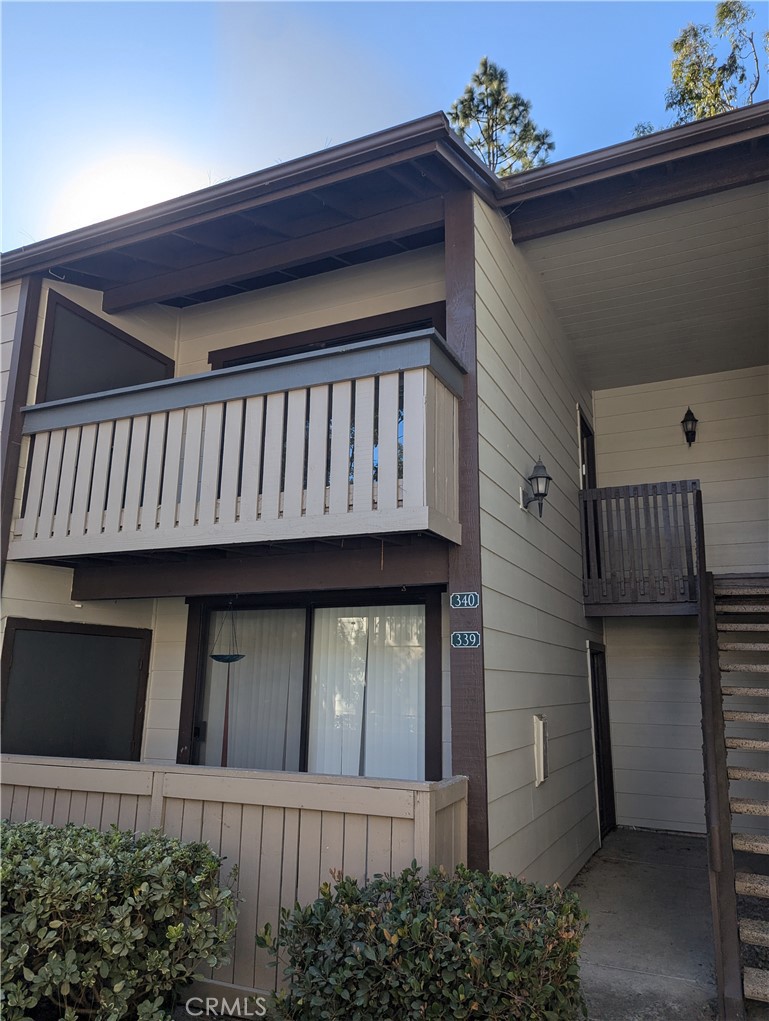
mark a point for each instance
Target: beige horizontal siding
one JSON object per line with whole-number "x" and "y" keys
{"x": 655, "y": 713}
{"x": 534, "y": 629}
{"x": 386, "y": 285}
{"x": 639, "y": 439}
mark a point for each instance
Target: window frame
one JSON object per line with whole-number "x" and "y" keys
{"x": 144, "y": 635}
{"x": 196, "y": 650}
{"x": 56, "y": 300}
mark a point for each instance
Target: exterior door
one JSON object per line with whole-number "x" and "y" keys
{"x": 602, "y": 737}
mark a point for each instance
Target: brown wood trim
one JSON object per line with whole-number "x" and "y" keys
{"x": 327, "y": 336}
{"x": 652, "y": 188}
{"x": 468, "y": 707}
{"x": 423, "y": 562}
{"x": 22, "y": 351}
{"x": 57, "y": 300}
{"x": 144, "y": 635}
{"x": 200, "y": 611}
{"x": 394, "y": 224}
{"x": 433, "y": 688}
{"x": 193, "y": 653}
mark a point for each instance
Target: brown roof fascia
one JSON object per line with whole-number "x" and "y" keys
{"x": 724, "y": 130}
{"x": 397, "y": 144}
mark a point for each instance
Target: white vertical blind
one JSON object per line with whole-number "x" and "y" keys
{"x": 367, "y": 699}
{"x": 265, "y": 696}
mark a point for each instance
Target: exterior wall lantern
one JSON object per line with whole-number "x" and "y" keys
{"x": 539, "y": 484}
{"x": 689, "y": 423}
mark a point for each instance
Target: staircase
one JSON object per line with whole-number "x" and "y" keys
{"x": 742, "y": 625}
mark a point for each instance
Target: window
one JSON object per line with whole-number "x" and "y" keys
{"x": 84, "y": 354}
{"x": 73, "y": 690}
{"x": 349, "y": 690}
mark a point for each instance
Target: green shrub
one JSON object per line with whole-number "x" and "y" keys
{"x": 467, "y": 945}
{"x": 106, "y": 925}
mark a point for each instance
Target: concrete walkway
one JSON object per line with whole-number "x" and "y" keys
{"x": 648, "y": 953}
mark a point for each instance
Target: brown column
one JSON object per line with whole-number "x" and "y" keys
{"x": 15, "y": 399}
{"x": 468, "y": 709}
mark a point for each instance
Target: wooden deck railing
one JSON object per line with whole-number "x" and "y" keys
{"x": 285, "y": 831}
{"x": 639, "y": 550}
{"x": 351, "y": 441}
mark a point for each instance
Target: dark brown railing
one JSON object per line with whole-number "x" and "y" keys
{"x": 639, "y": 547}
{"x": 723, "y": 895}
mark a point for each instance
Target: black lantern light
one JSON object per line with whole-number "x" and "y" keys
{"x": 539, "y": 483}
{"x": 689, "y": 424}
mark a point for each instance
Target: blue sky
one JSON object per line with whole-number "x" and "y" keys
{"x": 108, "y": 106}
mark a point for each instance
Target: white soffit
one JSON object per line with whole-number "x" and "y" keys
{"x": 664, "y": 293}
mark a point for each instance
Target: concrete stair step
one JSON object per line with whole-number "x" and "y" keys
{"x": 744, "y": 646}
{"x": 722, "y": 607}
{"x": 745, "y": 773}
{"x": 742, "y": 626}
{"x": 753, "y": 843}
{"x": 749, "y": 806}
{"x": 750, "y": 668}
{"x": 744, "y": 692}
{"x": 747, "y": 744}
{"x": 750, "y": 884}
{"x": 754, "y": 931}
{"x": 743, "y": 717}
{"x": 755, "y": 984}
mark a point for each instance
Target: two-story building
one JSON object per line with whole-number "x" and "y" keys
{"x": 272, "y": 576}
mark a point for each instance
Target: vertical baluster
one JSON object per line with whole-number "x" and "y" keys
{"x": 136, "y": 461}
{"x": 35, "y": 489}
{"x": 612, "y": 565}
{"x": 632, "y": 542}
{"x": 66, "y": 483}
{"x": 687, "y": 498}
{"x": 253, "y": 447}
{"x": 317, "y": 452}
{"x": 414, "y": 438}
{"x": 50, "y": 484}
{"x": 363, "y": 466}
{"x": 210, "y": 464}
{"x": 193, "y": 435}
{"x": 101, "y": 467}
{"x": 677, "y": 591}
{"x": 339, "y": 490}
{"x": 153, "y": 471}
{"x": 117, "y": 478}
{"x": 296, "y": 436}
{"x": 641, "y": 544}
{"x": 667, "y": 542}
{"x": 387, "y": 466}
{"x": 172, "y": 460}
{"x": 231, "y": 455}
{"x": 274, "y": 446}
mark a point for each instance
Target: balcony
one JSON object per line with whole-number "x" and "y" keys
{"x": 358, "y": 440}
{"x": 640, "y": 549}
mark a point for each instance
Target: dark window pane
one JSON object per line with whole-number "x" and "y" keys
{"x": 72, "y": 694}
{"x": 86, "y": 359}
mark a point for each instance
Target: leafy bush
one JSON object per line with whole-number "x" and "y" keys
{"x": 105, "y": 925}
{"x": 467, "y": 945}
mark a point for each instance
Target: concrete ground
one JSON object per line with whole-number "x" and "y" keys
{"x": 648, "y": 952}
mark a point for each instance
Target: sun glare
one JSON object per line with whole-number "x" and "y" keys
{"x": 120, "y": 184}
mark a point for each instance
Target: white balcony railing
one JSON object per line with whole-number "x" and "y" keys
{"x": 358, "y": 440}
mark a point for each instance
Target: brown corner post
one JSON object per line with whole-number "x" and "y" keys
{"x": 468, "y": 704}
{"x": 16, "y": 397}
{"x": 723, "y": 895}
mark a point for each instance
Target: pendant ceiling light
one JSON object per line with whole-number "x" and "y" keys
{"x": 232, "y": 655}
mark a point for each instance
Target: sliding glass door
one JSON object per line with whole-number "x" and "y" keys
{"x": 349, "y": 701}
